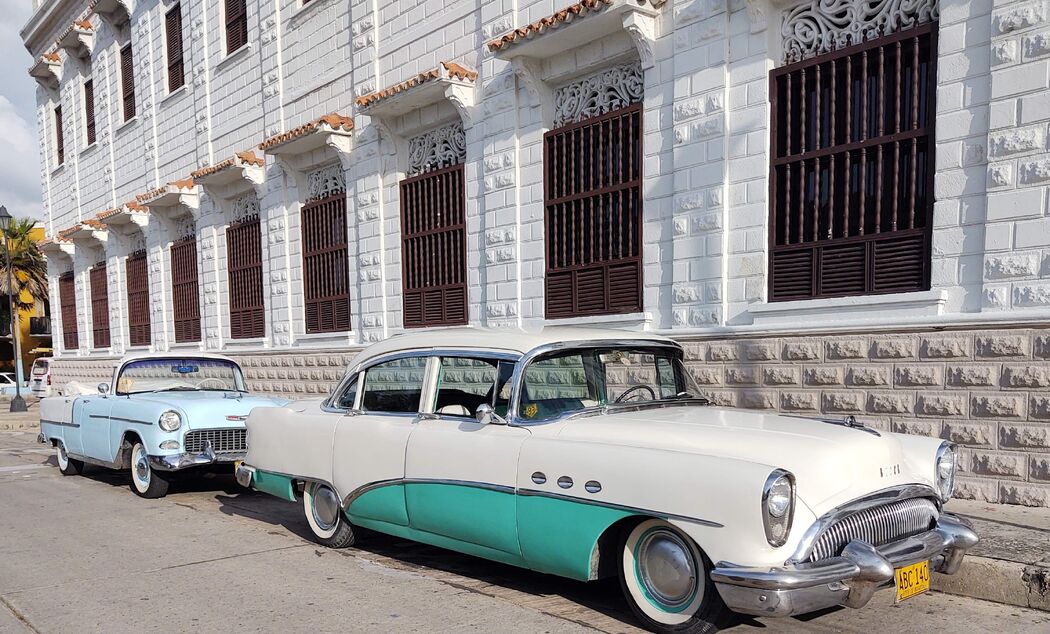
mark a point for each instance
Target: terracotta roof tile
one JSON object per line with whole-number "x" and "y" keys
{"x": 553, "y": 21}
{"x": 248, "y": 157}
{"x": 107, "y": 213}
{"x": 185, "y": 183}
{"x": 93, "y": 223}
{"x": 135, "y": 206}
{"x": 447, "y": 69}
{"x": 240, "y": 158}
{"x": 332, "y": 120}
{"x": 52, "y": 57}
{"x": 84, "y": 24}
{"x": 65, "y": 233}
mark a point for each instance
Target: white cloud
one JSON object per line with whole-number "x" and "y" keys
{"x": 19, "y": 164}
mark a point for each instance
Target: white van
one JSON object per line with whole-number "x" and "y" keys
{"x": 40, "y": 377}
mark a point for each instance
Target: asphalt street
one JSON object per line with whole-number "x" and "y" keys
{"x": 84, "y": 554}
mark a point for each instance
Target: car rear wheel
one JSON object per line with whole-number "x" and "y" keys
{"x": 146, "y": 482}
{"x": 67, "y": 465}
{"x": 664, "y": 577}
{"x": 325, "y": 516}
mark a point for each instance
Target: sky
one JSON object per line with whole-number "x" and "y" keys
{"x": 19, "y": 153}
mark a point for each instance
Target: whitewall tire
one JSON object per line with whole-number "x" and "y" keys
{"x": 145, "y": 481}
{"x": 67, "y": 465}
{"x": 325, "y": 516}
{"x": 664, "y": 577}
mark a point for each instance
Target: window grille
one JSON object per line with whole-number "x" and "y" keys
{"x": 185, "y": 293}
{"x": 851, "y": 175}
{"x": 434, "y": 248}
{"x": 593, "y": 220}
{"x": 138, "y": 299}
{"x": 67, "y": 299}
{"x": 99, "y": 306}
{"x": 326, "y": 270}
{"x": 244, "y": 259}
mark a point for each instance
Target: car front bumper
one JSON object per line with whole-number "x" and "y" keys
{"x": 849, "y": 579}
{"x": 178, "y": 461}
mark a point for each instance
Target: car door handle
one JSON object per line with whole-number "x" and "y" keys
{"x": 427, "y": 416}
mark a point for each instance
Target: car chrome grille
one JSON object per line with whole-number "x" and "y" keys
{"x": 222, "y": 440}
{"x": 877, "y": 526}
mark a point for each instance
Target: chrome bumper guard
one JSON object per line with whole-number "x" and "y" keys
{"x": 244, "y": 475}
{"x": 175, "y": 462}
{"x": 849, "y": 579}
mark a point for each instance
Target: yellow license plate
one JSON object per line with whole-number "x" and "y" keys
{"x": 913, "y": 580}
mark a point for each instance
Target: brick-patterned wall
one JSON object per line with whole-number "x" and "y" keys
{"x": 986, "y": 390}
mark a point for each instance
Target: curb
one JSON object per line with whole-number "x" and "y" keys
{"x": 20, "y": 426}
{"x": 1000, "y": 581}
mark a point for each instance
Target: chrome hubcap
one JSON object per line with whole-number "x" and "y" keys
{"x": 667, "y": 569}
{"x": 141, "y": 467}
{"x": 325, "y": 507}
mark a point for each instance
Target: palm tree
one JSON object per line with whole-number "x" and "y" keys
{"x": 30, "y": 267}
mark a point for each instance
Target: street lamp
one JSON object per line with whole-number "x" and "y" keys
{"x": 18, "y": 404}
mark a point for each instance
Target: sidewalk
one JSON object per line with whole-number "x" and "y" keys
{"x": 22, "y": 421}
{"x": 1011, "y": 564}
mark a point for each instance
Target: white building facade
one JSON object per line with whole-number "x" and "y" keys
{"x": 841, "y": 208}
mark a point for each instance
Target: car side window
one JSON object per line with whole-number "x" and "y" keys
{"x": 556, "y": 385}
{"x": 348, "y": 398}
{"x": 394, "y": 386}
{"x": 464, "y": 383}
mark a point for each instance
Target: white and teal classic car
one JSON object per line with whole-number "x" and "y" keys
{"x": 162, "y": 413}
{"x": 588, "y": 453}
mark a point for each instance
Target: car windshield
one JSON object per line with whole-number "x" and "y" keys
{"x": 39, "y": 368}
{"x": 178, "y": 374}
{"x": 576, "y": 379}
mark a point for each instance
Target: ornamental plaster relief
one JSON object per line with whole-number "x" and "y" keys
{"x": 599, "y": 93}
{"x": 820, "y": 26}
{"x": 438, "y": 148}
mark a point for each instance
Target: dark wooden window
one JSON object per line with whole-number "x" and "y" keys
{"x": 434, "y": 248}
{"x": 99, "y": 306}
{"x": 138, "y": 299}
{"x": 326, "y": 270}
{"x": 236, "y": 25}
{"x": 173, "y": 35}
{"x": 127, "y": 82}
{"x": 60, "y": 144}
{"x": 185, "y": 295}
{"x": 593, "y": 193}
{"x": 851, "y": 176}
{"x": 244, "y": 259}
{"x": 67, "y": 299}
{"x": 89, "y": 111}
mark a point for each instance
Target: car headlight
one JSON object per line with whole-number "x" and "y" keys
{"x": 778, "y": 506}
{"x": 947, "y": 462}
{"x": 170, "y": 421}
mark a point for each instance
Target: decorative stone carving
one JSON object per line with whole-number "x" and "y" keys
{"x": 437, "y": 148}
{"x": 599, "y": 93}
{"x": 245, "y": 207}
{"x": 820, "y": 26}
{"x": 326, "y": 182}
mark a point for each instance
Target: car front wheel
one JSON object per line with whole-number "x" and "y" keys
{"x": 664, "y": 578}
{"x": 67, "y": 465}
{"x": 145, "y": 482}
{"x": 325, "y": 516}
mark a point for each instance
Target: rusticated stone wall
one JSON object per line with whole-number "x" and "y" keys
{"x": 986, "y": 390}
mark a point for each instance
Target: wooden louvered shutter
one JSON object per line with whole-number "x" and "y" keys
{"x": 236, "y": 25}
{"x": 67, "y": 299}
{"x": 326, "y": 271}
{"x": 434, "y": 248}
{"x": 244, "y": 259}
{"x": 60, "y": 143}
{"x": 127, "y": 82}
{"x": 851, "y": 176}
{"x": 173, "y": 35}
{"x": 185, "y": 294}
{"x": 593, "y": 219}
{"x": 99, "y": 306}
{"x": 138, "y": 299}
{"x": 89, "y": 111}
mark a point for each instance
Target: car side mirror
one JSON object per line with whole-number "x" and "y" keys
{"x": 103, "y": 388}
{"x": 487, "y": 416}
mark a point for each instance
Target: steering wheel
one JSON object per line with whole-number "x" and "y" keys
{"x": 631, "y": 390}
{"x": 222, "y": 384}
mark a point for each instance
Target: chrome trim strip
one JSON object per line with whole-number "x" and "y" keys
{"x": 95, "y": 461}
{"x": 619, "y": 507}
{"x": 118, "y": 418}
{"x": 59, "y": 423}
{"x": 877, "y": 498}
{"x": 371, "y": 486}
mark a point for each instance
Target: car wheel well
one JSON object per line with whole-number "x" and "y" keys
{"x": 127, "y": 441}
{"x": 608, "y": 548}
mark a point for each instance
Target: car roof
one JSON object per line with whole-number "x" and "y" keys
{"x": 504, "y": 339}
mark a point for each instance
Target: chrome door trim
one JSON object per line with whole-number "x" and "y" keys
{"x": 378, "y": 484}
{"x": 619, "y": 507}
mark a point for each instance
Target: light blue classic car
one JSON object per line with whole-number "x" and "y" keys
{"x": 162, "y": 413}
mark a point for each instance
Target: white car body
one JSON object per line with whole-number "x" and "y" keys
{"x": 40, "y": 377}
{"x": 704, "y": 469}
